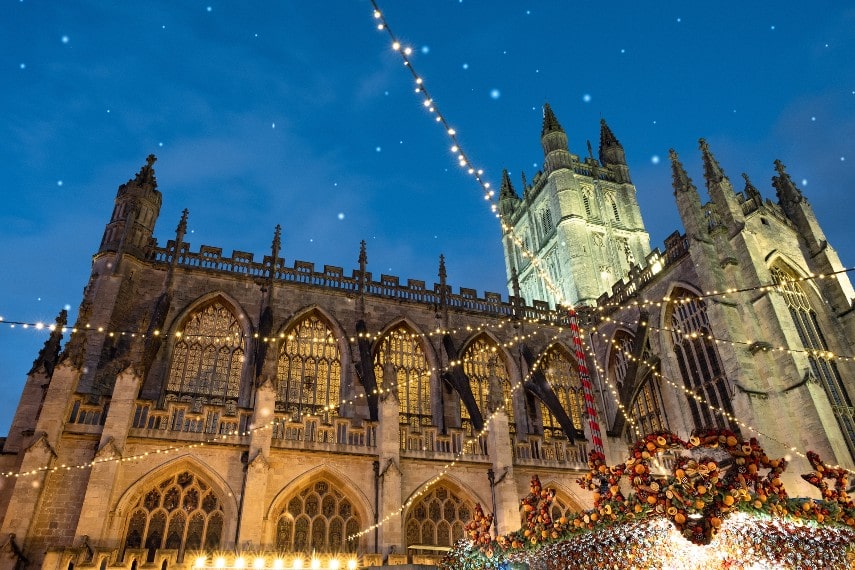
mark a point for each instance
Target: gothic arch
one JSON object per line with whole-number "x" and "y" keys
{"x": 438, "y": 516}
{"x": 209, "y": 354}
{"x": 181, "y": 505}
{"x": 699, "y": 364}
{"x": 326, "y": 369}
{"x": 352, "y": 505}
{"x": 182, "y": 463}
{"x": 421, "y": 381}
{"x": 477, "y": 372}
{"x": 567, "y": 388}
{"x": 779, "y": 259}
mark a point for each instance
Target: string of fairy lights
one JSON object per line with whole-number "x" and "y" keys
{"x": 489, "y": 196}
{"x": 718, "y": 410}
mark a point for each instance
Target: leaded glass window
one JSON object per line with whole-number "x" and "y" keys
{"x": 402, "y": 348}
{"x": 318, "y": 518}
{"x": 822, "y": 365}
{"x": 208, "y": 357}
{"x": 481, "y": 362}
{"x": 437, "y": 518}
{"x": 562, "y": 375}
{"x": 699, "y": 362}
{"x": 168, "y": 515}
{"x": 646, "y": 410}
{"x": 309, "y": 370}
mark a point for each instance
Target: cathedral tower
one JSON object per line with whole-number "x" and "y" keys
{"x": 577, "y": 230}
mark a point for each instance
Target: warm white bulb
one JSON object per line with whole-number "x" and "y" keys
{"x": 396, "y": 46}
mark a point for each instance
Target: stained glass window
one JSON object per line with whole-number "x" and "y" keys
{"x": 319, "y": 518}
{"x": 168, "y": 516}
{"x": 402, "y": 347}
{"x": 309, "y": 370}
{"x": 646, "y": 408}
{"x": 208, "y": 357}
{"x": 822, "y": 365}
{"x": 562, "y": 375}
{"x": 699, "y": 362}
{"x": 437, "y": 518}
{"x": 481, "y": 361}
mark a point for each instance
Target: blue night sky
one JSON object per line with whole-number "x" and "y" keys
{"x": 300, "y": 114}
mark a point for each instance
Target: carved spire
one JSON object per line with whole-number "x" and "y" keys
{"x": 750, "y": 190}
{"x": 508, "y": 197}
{"x": 146, "y": 174}
{"x": 681, "y": 180}
{"x": 524, "y": 180}
{"x": 785, "y": 188}
{"x": 181, "y": 230}
{"x": 49, "y": 354}
{"x": 611, "y": 151}
{"x": 276, "y": 246}
{"x": 363, "y": 256}
{"x": 712, "y": 171}
{"x": 442, "y": 273}
{"x": 550, "y": 122}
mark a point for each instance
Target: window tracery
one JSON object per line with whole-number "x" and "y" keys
{"x": 699, "y": 362}
{"x": 822, "y": 367}
{"x": 309, "y": 370}
{"x": 401, "y": 348}
{"x": 481, "y": 362}
{"x": 182, "y": 512}
{"x": 437, "y": 518}
{"x": 318, "y": 518}
{"x": 562, "y": 376}
{"x": 646, "y": 409}
{"x": 207, "y": 359}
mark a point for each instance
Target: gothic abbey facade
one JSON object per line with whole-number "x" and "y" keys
{"x": 226, "y": 404}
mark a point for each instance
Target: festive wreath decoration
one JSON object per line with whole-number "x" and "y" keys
{"x": 721, "y": 474}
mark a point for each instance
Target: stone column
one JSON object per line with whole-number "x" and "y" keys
{"x": 98, "y": 499}
{"x": 257, "y": 470}
{"x": 389, "y": 452}
{"x": 499, "y": 444}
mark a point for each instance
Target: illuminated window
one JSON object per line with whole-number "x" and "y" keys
{"x": 309, "y": 370}
{"x": 317, "y": 519}
{"x": 481, "y": 361}
{"x": 699, "y": 362}
{"x": 181, "y": 513}
{"x": 208, "y": 358}
{"x": 562, "y": 375}
{"x": 823, "y": 368}
{"x": 437, "y": 518}
{"x": 402, "y": 348}
{"x": 646, "y": 408}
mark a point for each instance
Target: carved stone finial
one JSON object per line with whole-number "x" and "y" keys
{"x": 681, "y": 180}
{"x": 750, "y": 190}
{"x": 49, "y": 354}
{"x": 363, "y": 255}
{"x": 442, "y": 273}
{"x": 712, "y": 171}
{"x": 550, "y": 121}
{"x": 277, "y": 242}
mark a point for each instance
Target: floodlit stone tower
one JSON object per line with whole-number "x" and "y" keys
{"x": 578, "y": 221}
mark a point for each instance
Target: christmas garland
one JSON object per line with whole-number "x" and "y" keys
{"x": 725, "y": 486}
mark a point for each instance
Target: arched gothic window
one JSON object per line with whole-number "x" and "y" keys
{"x": 615, "y": 211}
{"x": 647, "y": 411}
{"x": 437, "y": 518}
{"x": 208, "y": 358}
{"x": 309, "y": 370}
{"x": 546, "y": 221}
{"x": 181, "y": 513}
{"x": 401, "y": 348}
{"x": 824, "y": 369}
{"x": 318, "y": 518}
{"x": 699, "y": 362}
{"x": 586, "y": 202}
{"x": 562, "y": 375}
{"x": 481, "y": 362}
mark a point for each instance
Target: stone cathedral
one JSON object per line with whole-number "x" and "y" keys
{"x": 213, "y": 410}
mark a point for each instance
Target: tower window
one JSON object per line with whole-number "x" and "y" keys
{"x": 615, "y": 211}
{"x": 546, "y": 220}
{"x": 586, "y": 201}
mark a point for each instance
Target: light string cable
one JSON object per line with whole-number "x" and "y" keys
{"x": 698, "y": 398}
